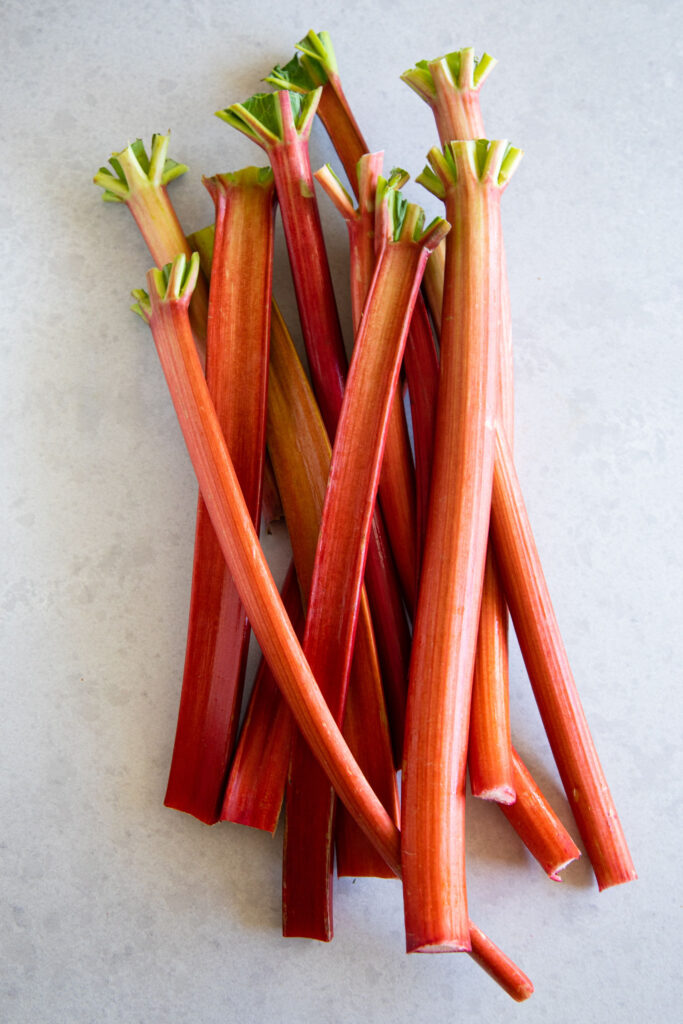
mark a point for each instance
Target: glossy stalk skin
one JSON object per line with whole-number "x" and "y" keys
{"x": 551, "y": 678}
{"x": 236, "y": 373}
{"x": 144, "y": 191}
{"x": 256, "y": 784}
{"x": 538, "y": 826}
{"x": 166, "y": 313}
{"x": 444, "y": 640}
{"x": 300, "y": 452}
{"x": 450, "y": 85}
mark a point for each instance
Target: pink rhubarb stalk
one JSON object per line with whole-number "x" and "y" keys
{"x": 236, "y": 373}
{"x": 140, "y": 181}
{"x": 166, "y": 312}
{"x": 471, "y": 176}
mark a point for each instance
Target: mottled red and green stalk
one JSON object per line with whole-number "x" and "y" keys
{"x": 140, "y": 182}
{"x": 340, "y": 557}
{"x": 450, "y": 85}
{"x": 471, "y": 177}
{"x": 551, "y": 678}
{"x": 236, "y": 374}
{"x": 280, "y": 123}
{"x": 315, "y": 67}
{"x": 167, "y": 315}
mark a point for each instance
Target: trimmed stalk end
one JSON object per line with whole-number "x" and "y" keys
{"x": 175, "y": 282}
{"x": 202, "y": 242}
{"x": 318, "y": 57}
{"x": 333, "y": 187}
{"x": 401, "y": 221}
{"x": 460, "y": 69}
{"x": 292, "y": 76}
{"x": 134, "y": 169}
{"x": 269, "y": 117}
{"x": 245, "y": 178}
{"x": 491, "y": 163}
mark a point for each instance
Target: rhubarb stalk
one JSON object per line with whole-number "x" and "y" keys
{"x": 471, "y": 177}
{"x": 551, "y": 678}
{"x": 450, "y": 85}
{"x": 165, "y": 310}
{"x": 236, "y": 373}
{"x": 397, "y": 478}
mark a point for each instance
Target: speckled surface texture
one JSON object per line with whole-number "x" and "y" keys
{"x": 113, "y": 909}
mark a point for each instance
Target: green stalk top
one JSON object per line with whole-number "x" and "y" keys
{"x": 268, "y": 118}
{"x": 245, "y": 178}
{"x": 173, "y": 283}
{"x": 491, "y": 163}
{"x": 135, "y": 170}
{"x": 313, "y": 67}
{"x": 397, "y": 220}
{"x": 460, "y": 69}
{"x": 368, "y": 171}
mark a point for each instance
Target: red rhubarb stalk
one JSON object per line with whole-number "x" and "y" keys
{"x": 471, "y": 176}
{"x": 397, "y": 478}
{"x": 340, "y": 558}
{"x": 236, "y": 373}
{"x": 140, "y": 181}
{"x": 165, "y": 310}
{"x": 256, "y": 785}
{"x": 280, "y": 123}
{"x": 450, "y": 85}
{"x": 551, "y": 678}
{"x": 537, "y": 825}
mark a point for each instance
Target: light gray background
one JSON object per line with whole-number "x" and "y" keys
{"x": 117, "y": 910}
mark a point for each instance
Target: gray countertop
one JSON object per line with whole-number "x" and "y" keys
{"x": 115, "y": 909}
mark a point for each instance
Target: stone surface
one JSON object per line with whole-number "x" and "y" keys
{"x": 117, "y": 910}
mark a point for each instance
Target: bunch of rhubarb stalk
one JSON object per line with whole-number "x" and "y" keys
{"x": 387, "y": 647}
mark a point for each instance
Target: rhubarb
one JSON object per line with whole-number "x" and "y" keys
{"x": 236, "y": 374}
{"x": 551, "y": 678}
{"x": 470, "y": 176}
{"x": 165, "y": 309}
{"x": 450, "y": 85}
{"x": 397, "y": 479}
